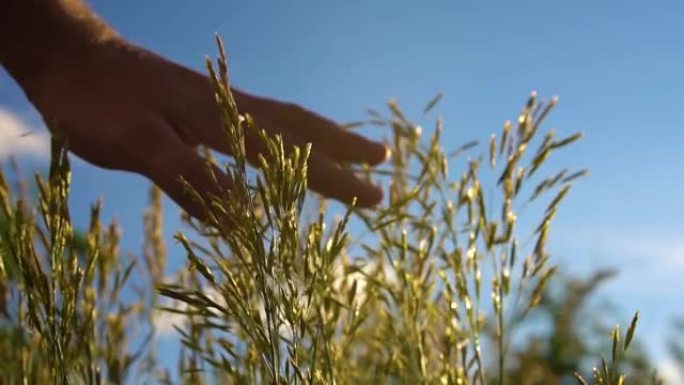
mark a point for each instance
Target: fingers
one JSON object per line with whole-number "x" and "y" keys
{"x": 331, "y": 144}
{"x": 276, "y": 117}
{"x": 329, "y": 179}
{"x": 325, "y": 135}
{"x": 325, "y": 176}
{"x": 168, "y": 160}
{"x": 336, "y": 143}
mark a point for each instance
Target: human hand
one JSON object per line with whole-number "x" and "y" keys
{"x": 122, "y": 107}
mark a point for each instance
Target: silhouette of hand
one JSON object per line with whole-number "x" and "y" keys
{"x": 122, "y": 107}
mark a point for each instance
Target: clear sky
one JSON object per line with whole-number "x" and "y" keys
{"x": 617, "y": 67}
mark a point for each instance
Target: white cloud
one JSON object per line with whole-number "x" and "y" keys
{"x": 652, "y": 244}
{"x": 662, "y": 249}
{"x": 671, "y": 372}
{"x": 19, "y": 139}
{"x": 164, "y": 321}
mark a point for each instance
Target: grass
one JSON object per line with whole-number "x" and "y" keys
{"x": 432, "y": 293}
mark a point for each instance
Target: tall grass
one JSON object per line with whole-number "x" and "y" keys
{"x": 430, "y": 292}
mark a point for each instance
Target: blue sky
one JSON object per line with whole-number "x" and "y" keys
{"x": 616, "y": 65}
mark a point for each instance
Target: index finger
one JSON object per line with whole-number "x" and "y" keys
{"x": 324, "y": 134}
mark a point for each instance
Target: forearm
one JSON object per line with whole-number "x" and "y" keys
{"x": 37, "y": 35}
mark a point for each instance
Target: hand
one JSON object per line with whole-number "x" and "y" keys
{"x": 123, "y": 107}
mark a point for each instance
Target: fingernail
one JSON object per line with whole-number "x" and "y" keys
{"x": 388, "y": 154}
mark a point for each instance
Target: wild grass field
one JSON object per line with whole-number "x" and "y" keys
{"x": 440, "y": 286}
